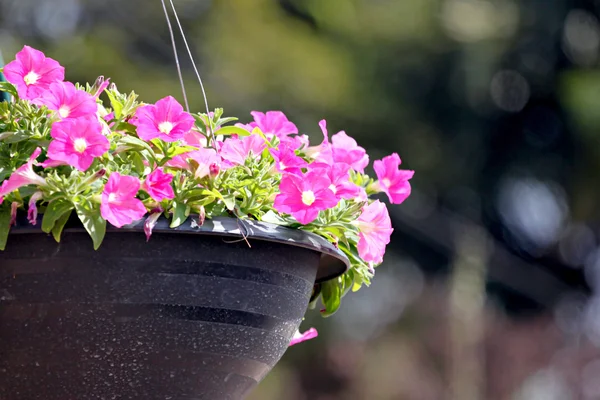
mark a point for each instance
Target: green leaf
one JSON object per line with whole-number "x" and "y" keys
{"x": 116, "y": 105}
{"x": 60, "y": 224}
{"x": 177, "y": 150}
{"x": 271, "y": 217}
{"x": 229, "y": 201}
{"x": 180, "y": 213}
{"x": 93, "y": 223}
{"x": 15, "y": 137}
{"x": 8, "y": 88}
{"x": 232, "y": 130}
{"x": 55, "y": 210}
{"x": 4, "y": 225}
{"x": 135, "y": 143}
{"x": 332, "y": 296}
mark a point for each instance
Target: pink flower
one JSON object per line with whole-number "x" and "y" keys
{"x": 100, "y": 85}
{"x": 393, "y": 181}
{"x": 32, "y": 73}
{"x": 32, "y": 211}
{"x": 234, "y": 151}
{"x": 322, "y": 153}
{"x": 375, "y": 230}
{"x": 286, "y": 160}
{"x": 342, "y": 149}
{"x": 165, "y": 120}
{"x": 346, "y": 150}
{"x": 119, "y": 206}
{"x": 158, "y": 185}
{"x": 339, "y": 175}
{"x": 272, "y": 123}
{"x": 77, "y": 142}
{"x": 151, "y": 221}
{"x": 303, "y": 196}
{"x": 199, "y": 161}
{"x": 23, "y": 176}
{"x": 302, "y": 337}
{"x": 69, "y": 102}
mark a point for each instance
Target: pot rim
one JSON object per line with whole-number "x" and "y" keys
{"x": 333, "y": 263}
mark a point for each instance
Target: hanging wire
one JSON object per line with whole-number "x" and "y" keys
{"x": 190, "y": 54}
{"x": 187, "y": 106}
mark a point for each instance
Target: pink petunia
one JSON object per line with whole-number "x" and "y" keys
{"x": 272, "y": 123}
{"x": 346, "y": 150}
{"x": 198, "y": 161}
{"x": 375, "y": 230}
{"x": 234, "y": 151}
{"x": 119, "y": 206}
{"x": 32, "y": 211}
{"x": 339, "y": 175}
{"x": 286, "y": 160}
{"x": 68, "y": 101}
{"x": 32, "y": 73}
{"x": 158, "y": 185}
{"x": 393, "y": 181}
{"x": 302, "y": 337}
{"x": 303, "y": 196}
{"x": 77, "y": 142}
{"x": 151, "y": 221}
{"x": 23, "y": 176}
{"x": 165, "y": 120}
{"x": 341, "y": 149}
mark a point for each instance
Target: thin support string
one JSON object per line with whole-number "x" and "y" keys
{"x": 191, "y": 57}
{"x": 187, "y": 106}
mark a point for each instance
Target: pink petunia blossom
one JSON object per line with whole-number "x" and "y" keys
{"x": 323, "y": 153}
{"x": 32, "y": 73}
{"x": 341, "y": 149}
{"x": 302, "y": 337}
{"x": 158, "y": 185}
{"x": 272, "y": 123}
{"x": 375, "y": 230}
{"x": 77, "y": 142}
{"x": 198, "y": 161}
{"x": 303, "y": 196}
{"x": 165, "y": 120}
{"x": 100, "y": 85}
{"x": 32, "y": 211}
{"x": 119, "y": 206}
{"x": 23, "y": 176}
{"x": 339, "y": 174}
{"x": 275, "y": 123}
{"x": 234, "y": 151}
{"x": 151, "y": 221}
{"x": 346, "y": 150}
{"x": 393, "y": 181}
{"x": 286, "y": 160}
{"x": 68, "y": 101}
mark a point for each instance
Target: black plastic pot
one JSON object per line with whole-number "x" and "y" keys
{"x": 194, "y": 314}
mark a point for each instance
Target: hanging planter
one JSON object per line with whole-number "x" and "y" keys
{"x": 208, "y": 240}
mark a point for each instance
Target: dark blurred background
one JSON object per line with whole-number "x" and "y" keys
{"x": 487, "y": 289}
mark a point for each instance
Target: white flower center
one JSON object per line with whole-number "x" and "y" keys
{"x": 333, "y": 188}
{"x": 64, "y": 111}
{"x": 112, "y": 197}
{"x": 31, "y": 78}
{"x": 386, "y": 182}
{"x": 165, "y": 127}
{"x": 281, "y": 166}
{"x": 80, "y": 145}
{"x": 308, "y": 197}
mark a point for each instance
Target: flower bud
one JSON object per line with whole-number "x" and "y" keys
{"x": 214, "y": 170}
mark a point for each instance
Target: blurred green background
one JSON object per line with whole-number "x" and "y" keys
{"x": 488, "y": 287}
